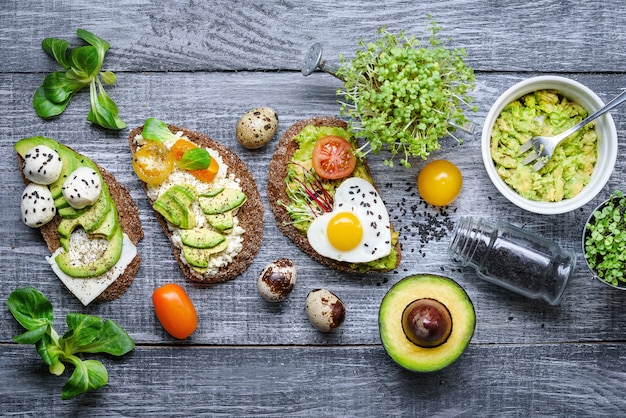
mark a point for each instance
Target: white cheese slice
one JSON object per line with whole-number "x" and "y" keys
{"x": 86, "y": 290}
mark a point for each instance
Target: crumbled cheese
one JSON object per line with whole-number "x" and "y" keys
{"x": 222, "y": 179}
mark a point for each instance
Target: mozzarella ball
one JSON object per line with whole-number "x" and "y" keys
{"x": 277, "y": 280}
{"x": 82, "y": 187}
{"x": 42, "y": 165}
{"x": 325, "y": 310}
{"x": 37, "y": 205}
{"x": 257, "y": 127}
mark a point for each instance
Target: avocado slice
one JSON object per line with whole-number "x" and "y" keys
{"x": 197, "y": 238}
{"x": 227, "y": 199}
{"x": 199, "y": 257}
{"x": 222, "y": 221}
{"x": 174, "y": 206}
{"x": 412, "y": 302}
{"x": 97, "y": 267}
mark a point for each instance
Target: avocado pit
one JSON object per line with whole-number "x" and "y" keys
{"x": 426, "y": 322}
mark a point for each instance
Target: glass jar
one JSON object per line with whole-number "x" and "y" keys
{"x": 513, "y": 258}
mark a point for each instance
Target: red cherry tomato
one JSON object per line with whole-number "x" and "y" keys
{"x": 333, "y": 158}
{"x": 175, "y": 310}
{"x": 439, "y": 182}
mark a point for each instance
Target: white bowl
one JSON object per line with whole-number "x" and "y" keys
{"x": 607, "y": 142}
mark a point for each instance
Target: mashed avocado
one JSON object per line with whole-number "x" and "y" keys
{"x": 547, "y": 113}
{"x": 302, "y": 183}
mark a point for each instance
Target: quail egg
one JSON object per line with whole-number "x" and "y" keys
{"x": 257, "y": 127}
{"x": 325, "y": 310}
{"x": 277, "y": 280}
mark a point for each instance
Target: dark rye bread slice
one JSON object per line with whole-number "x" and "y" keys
{"x": 276, "y": 191}
{"x": 129, "y": 220}
{"x": 250, "y": 215}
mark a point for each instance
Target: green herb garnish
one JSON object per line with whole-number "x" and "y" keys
{"x": 195, "y": 159}
{"x": 82, "y": 67}
{"x": 404, "y": 94}
{"x": 605, "y": 240}
{"x": 156, "y": 130}
{"x": 85, "y": 334}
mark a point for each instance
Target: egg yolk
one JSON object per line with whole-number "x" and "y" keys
{"x": 344, "y": 231}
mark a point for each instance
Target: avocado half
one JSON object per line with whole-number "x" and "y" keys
{"x": 426, "y": 322}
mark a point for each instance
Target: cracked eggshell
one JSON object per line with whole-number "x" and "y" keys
{"x": 277, "y": 280}
{"x": 257, "y": 127}
{"x": 325, "y": 310}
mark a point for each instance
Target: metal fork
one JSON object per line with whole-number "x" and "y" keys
{"x": 543, "y": 146}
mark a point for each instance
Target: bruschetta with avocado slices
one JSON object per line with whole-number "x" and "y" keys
{"x": 87, "y": 218}
{"x": 204, "y": 197}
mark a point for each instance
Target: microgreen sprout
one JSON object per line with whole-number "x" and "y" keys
{"x": 605, "y": 240}
{"x": 404, "y": 94}
{"x": 309, "y": 199}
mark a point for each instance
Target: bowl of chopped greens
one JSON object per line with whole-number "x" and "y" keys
{"x": 604, "y": 241}
{"x": 581, "y": 165}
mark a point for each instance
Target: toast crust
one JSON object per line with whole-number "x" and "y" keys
{"x": 128, "y": 215}
{"x": 276, "y": 192}
{"x": 250, "y": 215}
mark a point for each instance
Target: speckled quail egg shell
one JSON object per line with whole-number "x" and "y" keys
{"x": 325, "y": 310}
{"x": 37, "y": 205}
{"x": 82, "y": 187}
{"x": 277, "y": 280}
{"x": 42, "y": 165}
{"x": 257, "y": 127}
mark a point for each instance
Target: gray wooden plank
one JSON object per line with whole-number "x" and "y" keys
{"x": 232, "y": 313}
{"x": 222, "y": 35}
{"x": 488, "y": 380}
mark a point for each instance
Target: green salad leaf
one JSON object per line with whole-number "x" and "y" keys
{"x": 156, "y": 130}
{"x": 82, "y": 67}
{"x": 195, "y": 159}
{"x": 85, "y": 334}
{"x": 404, "y": 94}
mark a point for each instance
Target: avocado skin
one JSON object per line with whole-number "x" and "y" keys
{"x": 99, "y": 220}
{"x": 397, "y": 344}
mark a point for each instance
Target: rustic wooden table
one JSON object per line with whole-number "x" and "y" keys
{"x": 203, "y": 64}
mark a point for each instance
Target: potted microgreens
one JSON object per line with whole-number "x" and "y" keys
{"x": 604, "y": 241}
{"x": 404, "y": 94}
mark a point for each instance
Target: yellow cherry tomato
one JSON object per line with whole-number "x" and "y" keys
{"x": 439, "y": 182}
{"x": 153, "y": 163}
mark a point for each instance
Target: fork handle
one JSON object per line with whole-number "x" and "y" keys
{"x": 610, "y": 105}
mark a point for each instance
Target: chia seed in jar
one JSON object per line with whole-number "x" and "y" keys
{"x": 513, "y": 258}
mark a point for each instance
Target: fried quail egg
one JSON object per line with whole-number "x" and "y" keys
{"x": 357, "y": 230}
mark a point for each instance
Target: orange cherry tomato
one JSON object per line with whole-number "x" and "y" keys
{"x": 175, "y": 310}
{"x": 439, "y": 182}
{"x": 179, "y": 149}
{"x": 333, "y": 158}
{"x": 153, "y": 163}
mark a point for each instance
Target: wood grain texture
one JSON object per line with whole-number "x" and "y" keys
{"x": 503, "y": 381}
{"x": 202, "y": 65}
